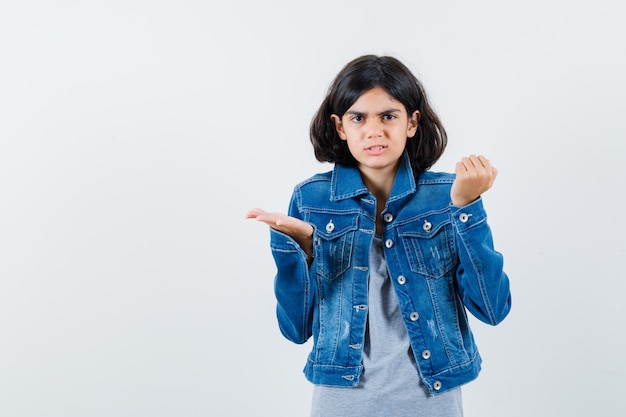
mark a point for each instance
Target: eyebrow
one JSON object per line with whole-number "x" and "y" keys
{"x": 387, "y": 111}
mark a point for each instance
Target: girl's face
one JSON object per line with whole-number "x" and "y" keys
{"x": 376, "y": 128}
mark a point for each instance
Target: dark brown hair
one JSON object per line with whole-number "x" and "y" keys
{"x": 357, "y": 77}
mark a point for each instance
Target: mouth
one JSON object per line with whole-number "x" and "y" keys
{"x": 375, "y": 149}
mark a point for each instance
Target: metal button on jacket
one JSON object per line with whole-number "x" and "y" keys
{"x": 427, "y": 225}
{"x": 330, "y": 227}
{"x": 389, "y": 243}
{"x": 464, "y": 217}
{"x": 388, "y": 217}
{"x": 426, "y": 354}
{"x": 401, "y": 280}
{"x": 414, "y": 316}
{"x": 437, "y": 385}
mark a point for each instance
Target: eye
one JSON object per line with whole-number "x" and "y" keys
{"x": 357, "y": 118}
{"x": 389, "y": 117}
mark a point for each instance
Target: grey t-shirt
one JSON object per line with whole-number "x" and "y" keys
{"x": 390, "y": 385}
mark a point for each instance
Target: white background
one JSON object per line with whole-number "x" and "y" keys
{"x": 134, "y": 136}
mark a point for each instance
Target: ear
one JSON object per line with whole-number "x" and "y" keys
{"x": 412, "y": 125}
{"x": 339, "y": 126}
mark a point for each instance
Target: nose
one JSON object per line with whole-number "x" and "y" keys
{"x": 374, "y": 128}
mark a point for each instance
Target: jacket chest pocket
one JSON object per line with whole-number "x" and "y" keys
{"x": 429, "y": 245}
{"x": 333, "y": 242}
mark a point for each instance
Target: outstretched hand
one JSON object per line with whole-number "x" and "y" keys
{"x": 474, "y": 176}
{"x": 300, "y": 231}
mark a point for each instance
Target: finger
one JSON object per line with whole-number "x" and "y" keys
{"x": 269, "y": 218}
{"x": 493, "y": 172}
{"x": 485, "y": 162}
{"x": 461, "y": 166}
{"x": 481, "y": 162}
{"x": 287, "y": 222}
{"x": 282, "y": 221}
{"x": 470, "y": 162}
{"x": 251, "y": 214}
{"x": 482, "y": 165}
{"x": 254, "y": 213}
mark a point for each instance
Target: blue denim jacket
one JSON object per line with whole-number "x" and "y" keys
{"x": 440, "y": 259}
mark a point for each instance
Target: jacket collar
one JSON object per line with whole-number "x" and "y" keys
{"x": 346, "y": 182}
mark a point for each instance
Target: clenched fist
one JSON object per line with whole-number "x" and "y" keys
{"x": 474, "y": 176}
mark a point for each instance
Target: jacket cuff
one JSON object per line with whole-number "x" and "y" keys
{"x": 466, "y": 217}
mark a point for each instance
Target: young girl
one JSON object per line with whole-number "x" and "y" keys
{"x": 379, "y": 259}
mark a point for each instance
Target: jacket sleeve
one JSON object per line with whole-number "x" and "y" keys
{"x": 483, "y": 284}
{"x": 293, "y": 286}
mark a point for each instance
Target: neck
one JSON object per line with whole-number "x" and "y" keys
{"x": 379, "y": 182}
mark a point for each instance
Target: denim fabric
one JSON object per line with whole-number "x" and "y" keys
{"x": 440, "y": 258}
